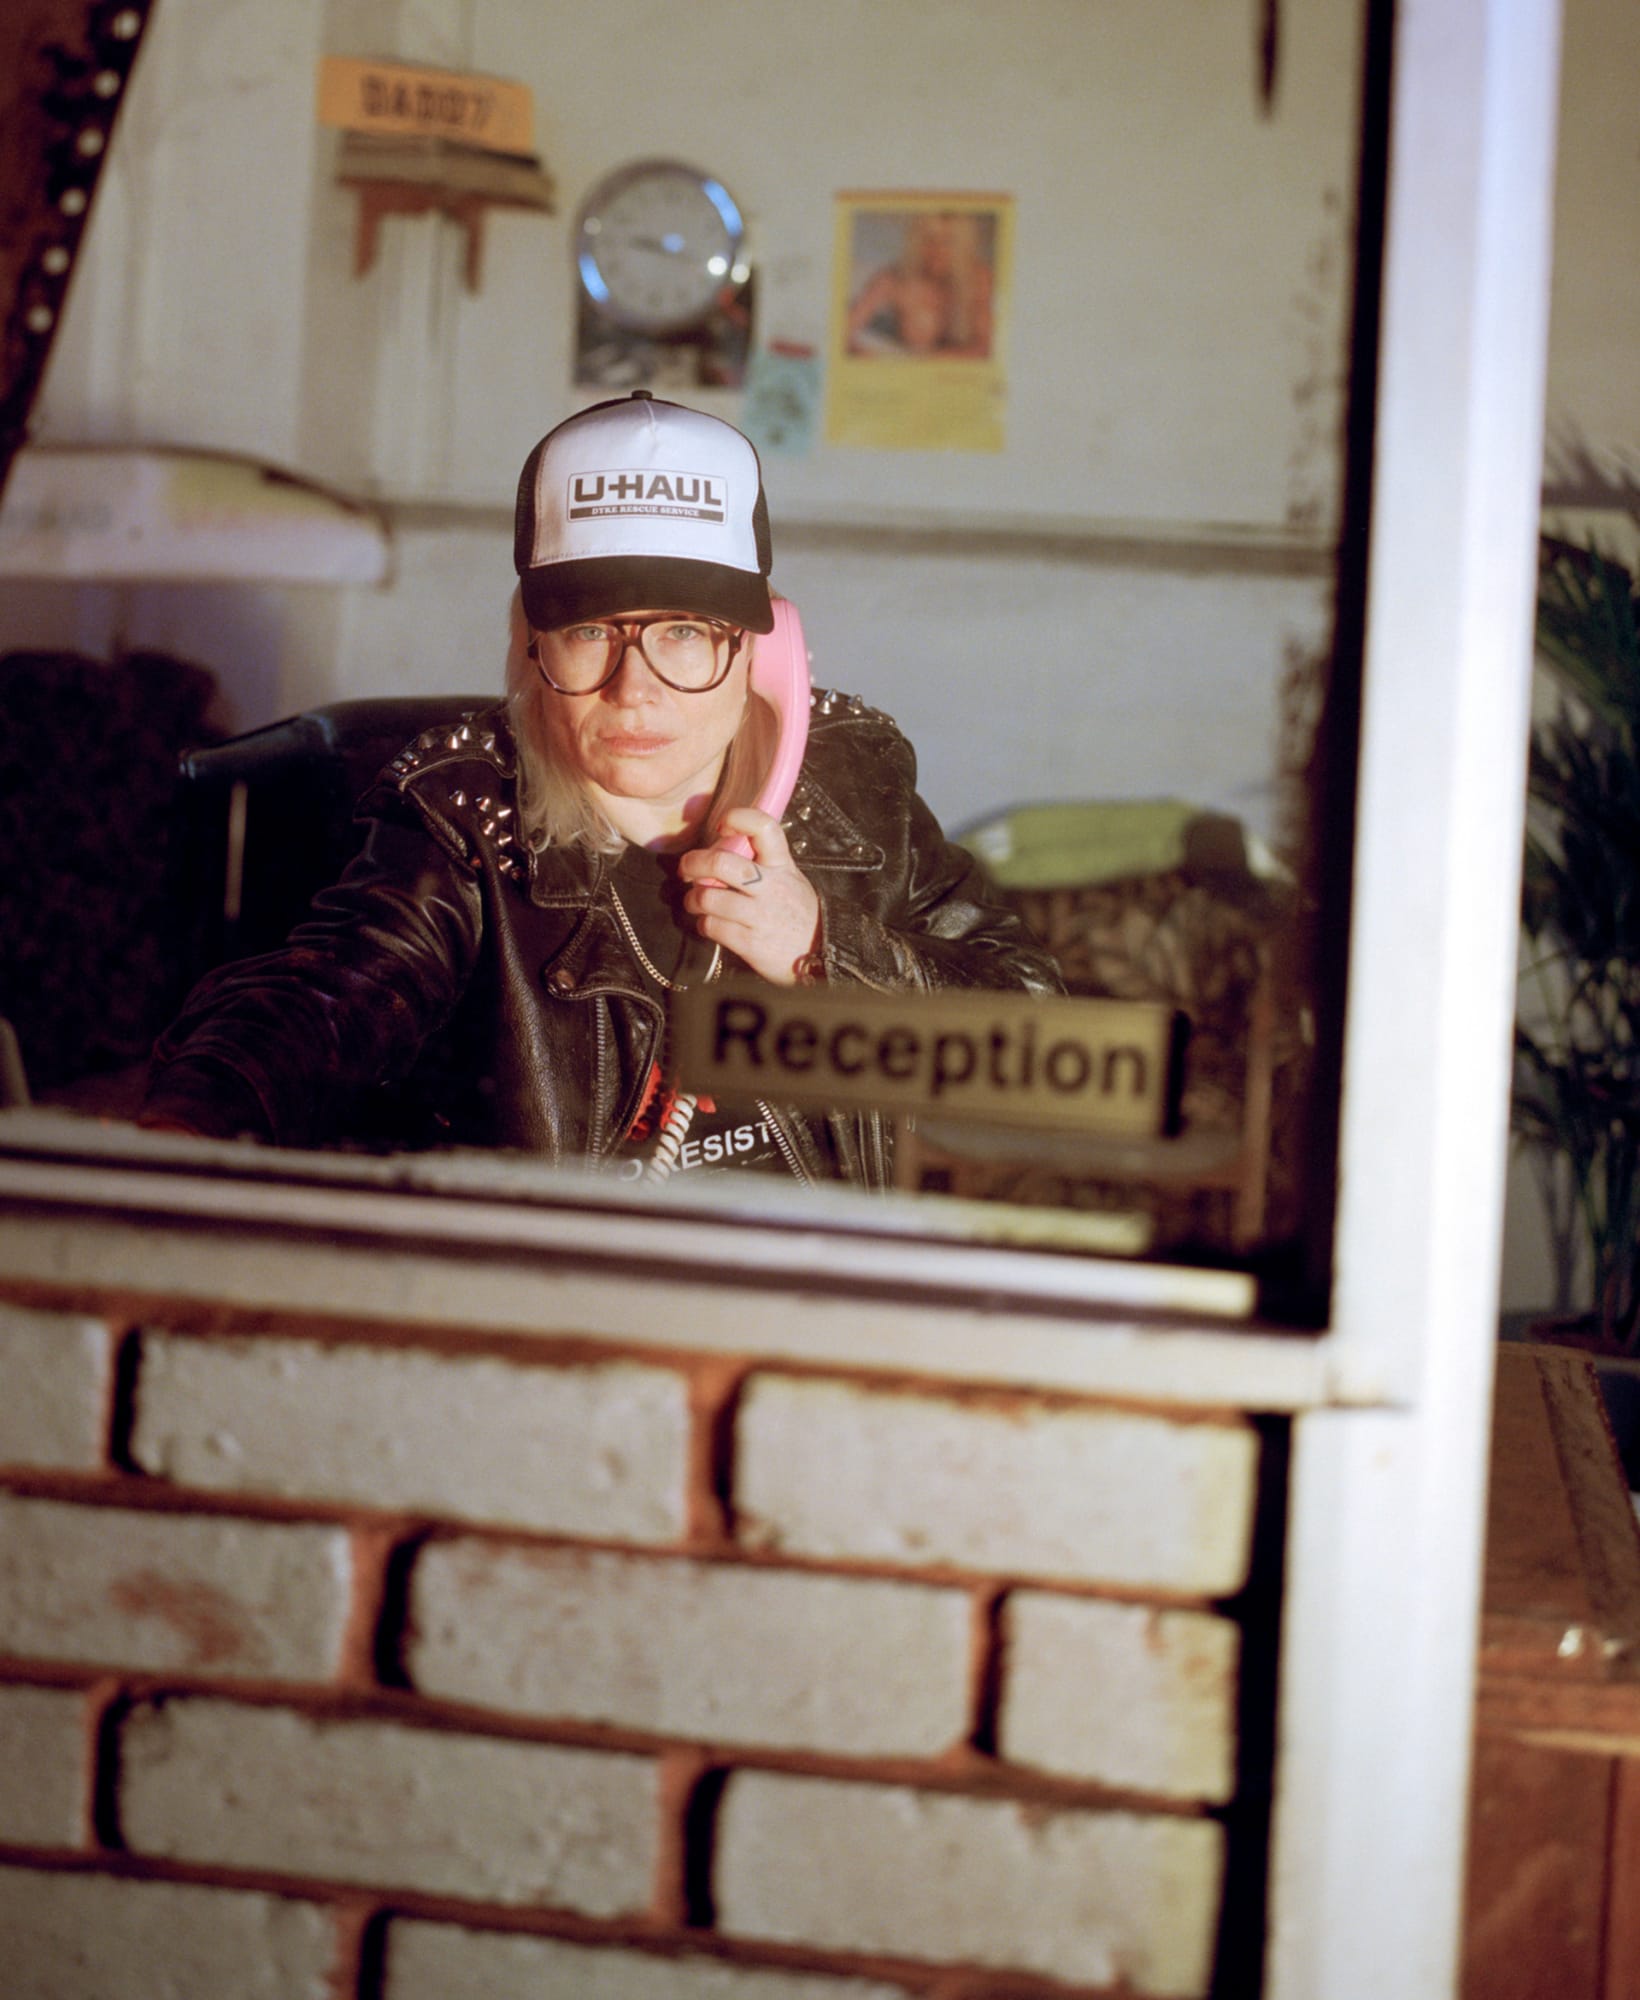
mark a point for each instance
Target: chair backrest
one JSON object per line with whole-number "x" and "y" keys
{"x": 264, "y": 821}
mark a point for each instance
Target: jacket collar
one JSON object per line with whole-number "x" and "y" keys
{"x": 593, "y": 957}
{"x": 823, "y": 834}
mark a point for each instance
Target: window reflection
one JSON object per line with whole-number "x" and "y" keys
{"x": 1104, "y": 640}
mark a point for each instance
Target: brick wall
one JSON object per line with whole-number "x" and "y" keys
{"x": 345, "y": 1663}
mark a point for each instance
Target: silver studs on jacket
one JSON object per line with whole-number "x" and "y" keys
{"x": 495, "y": 827}
{"x": 432, "y": 744}
{"x": 827, "y": 701}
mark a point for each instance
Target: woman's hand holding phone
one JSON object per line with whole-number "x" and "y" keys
{"x": 762, "y": 907}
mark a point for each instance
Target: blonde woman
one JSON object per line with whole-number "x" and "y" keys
{"x": 935, "y": 299}
{"x": 536, "y": 885}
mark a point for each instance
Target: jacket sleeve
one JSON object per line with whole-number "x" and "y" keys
{"x": 274, "y": 1047}
{"x": 930, "y": 920}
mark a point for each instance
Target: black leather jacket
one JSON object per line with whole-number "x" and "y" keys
{"x": 494, "y": 989}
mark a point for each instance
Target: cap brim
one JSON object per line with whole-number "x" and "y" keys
{"x": 558, "y": 594}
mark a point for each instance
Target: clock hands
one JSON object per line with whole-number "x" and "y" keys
{"x": 657, "y": 240}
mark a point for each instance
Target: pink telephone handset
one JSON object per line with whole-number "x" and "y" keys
{"x": 780, "y": 676}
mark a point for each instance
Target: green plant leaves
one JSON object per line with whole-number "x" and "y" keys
{"x": 1577, "y": 1068}
{"x": 1588, "y": 631}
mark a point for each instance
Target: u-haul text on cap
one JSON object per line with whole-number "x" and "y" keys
{"x": 1008, "y": 1058}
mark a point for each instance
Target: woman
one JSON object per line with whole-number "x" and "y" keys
{"x": 537, "y": 882}
{"x": 935, "y": 299}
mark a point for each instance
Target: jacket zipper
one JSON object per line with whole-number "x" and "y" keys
{"x": 600, "y": 1075}
{"x": 787, "y": 1151}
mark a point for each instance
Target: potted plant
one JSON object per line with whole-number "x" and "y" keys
{"x": 1577, "y": 1040}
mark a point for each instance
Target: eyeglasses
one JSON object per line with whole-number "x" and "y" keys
{"x": 691, "y": 655}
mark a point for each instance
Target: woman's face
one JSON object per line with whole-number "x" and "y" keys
{"x": 934, "y": 250}
{"x": 636, "y": 739}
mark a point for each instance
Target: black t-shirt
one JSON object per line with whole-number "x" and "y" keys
{"x": 651, "y": 892}
{"x": 710, "y": 1138}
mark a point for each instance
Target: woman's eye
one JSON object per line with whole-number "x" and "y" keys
{"x": 682, "y": 634}
{"x": 587, "y": 635}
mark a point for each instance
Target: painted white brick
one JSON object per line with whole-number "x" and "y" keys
{"x": 727, "y": 1653}
{"x": 825, "y": 1469}
{"x": 1088, "y": 1897}
{"x": 55, "y": 1368}
{"x": 595, "y": 1450}
{"x": 376, "y": 1803}
{"x": 118, "y": 1587}
{"x": 89, "y": 1937}
{"x": 43, "y": 1767}
{"x": 1132, "y": 1696}
{"x": 440, "y": 1962}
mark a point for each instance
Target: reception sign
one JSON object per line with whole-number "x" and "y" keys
{"x": 1005, "y": 1058}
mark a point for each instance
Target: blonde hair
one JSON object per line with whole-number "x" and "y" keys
{"x": 968, "y": 276}
{"x": 555, "y": 805}
{"x": 967, "y": 273}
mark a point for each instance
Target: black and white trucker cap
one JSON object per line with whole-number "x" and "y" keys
{"x": 639, "y": 505}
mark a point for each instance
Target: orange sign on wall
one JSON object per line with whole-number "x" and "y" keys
{"x": 402, "y": 100}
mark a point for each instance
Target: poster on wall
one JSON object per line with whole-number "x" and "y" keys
{"x": 781, "y": 411}
{"x": 919, "y": 293}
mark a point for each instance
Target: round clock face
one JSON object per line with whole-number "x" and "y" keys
{"x": 655, "y": 245}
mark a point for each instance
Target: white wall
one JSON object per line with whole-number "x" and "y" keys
{"x": 1594, "y": 383}
{"x": 1174, "y": 357}
{"x": 1178, "y": 266}
{"x": 184, "y": 319}
{"x": 1173, "y": 365}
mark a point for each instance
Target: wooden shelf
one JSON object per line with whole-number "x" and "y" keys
{"x": 435, "y": 177}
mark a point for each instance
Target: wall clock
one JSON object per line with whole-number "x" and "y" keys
{"x": 656, "y": 242}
